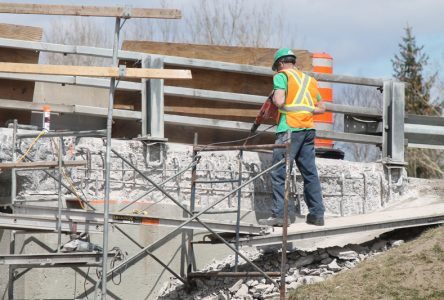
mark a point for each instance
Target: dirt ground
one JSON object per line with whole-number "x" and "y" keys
{"x": 414, "y": 270}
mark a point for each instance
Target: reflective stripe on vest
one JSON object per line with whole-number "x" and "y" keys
{"x": 297, "y": 104}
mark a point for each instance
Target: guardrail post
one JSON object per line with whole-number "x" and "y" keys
{"x": 393, "y": 121}
{"x": 153, "y": 102}
{"x": 393, "y": 132}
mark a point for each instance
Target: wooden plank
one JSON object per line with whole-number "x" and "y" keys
{"x": 16, "y": 89}
{"x": 88, "y": 11}
{"x": 240, "y": 55}
{"x": 124, "y": 106}
{"x": 42, "y": 164}
{"x": 211, "y": 112}
{"x": 223, "y": 110}
{"x": 223, "y": 81}
{"x": 19, "y": 32}
{"x": 93, "y": 71}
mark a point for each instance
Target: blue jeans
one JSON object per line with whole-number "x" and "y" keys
{"x": 303, "y": 152}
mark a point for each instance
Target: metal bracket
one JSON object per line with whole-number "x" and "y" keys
{"x": 122, "y": 71}
{"x": 127, "y": 12}
{"x": 362, "y": 125}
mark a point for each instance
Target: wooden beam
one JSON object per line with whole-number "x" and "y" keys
{"x": 212, "y": 112}
{"x": 94, "y": 71}
{"x": 42, "y": 164}
{"x": 88, "y": 11}
{"x": 20, "y": 33}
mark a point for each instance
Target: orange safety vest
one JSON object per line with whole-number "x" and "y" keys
{"x": 302, "y": 92}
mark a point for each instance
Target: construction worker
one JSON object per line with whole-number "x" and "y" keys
{"x": 298, "y": 99}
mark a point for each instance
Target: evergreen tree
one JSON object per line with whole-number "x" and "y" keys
{"x": 408, "y": 67}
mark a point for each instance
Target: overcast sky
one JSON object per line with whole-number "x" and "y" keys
{"x": 362, "y": 36}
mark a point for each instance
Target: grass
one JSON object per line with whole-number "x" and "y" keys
{"x": 414, "y": 270}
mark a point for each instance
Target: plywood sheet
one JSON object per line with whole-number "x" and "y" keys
{"x": 19, "y": 32}
{"x": 240, "y": 55}
{"x": 16, "y": 89}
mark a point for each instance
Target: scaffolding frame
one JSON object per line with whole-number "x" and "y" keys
{"x": 118, "y": 13}
{"x": 191, "y": 265}
{"x": 392, "y": 141}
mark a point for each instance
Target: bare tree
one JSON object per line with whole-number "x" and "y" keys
{"x": 164, "y": 30}
{"x": 357, "y": 96}
{"x": 234, "y": 23}
{"x": 227, "y": 22}
{"x": 78, "y": 31}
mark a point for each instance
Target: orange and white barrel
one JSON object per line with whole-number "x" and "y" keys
{"x": 323, "y": 63}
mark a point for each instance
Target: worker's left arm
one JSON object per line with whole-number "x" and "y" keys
{"x": 320, "y": 106}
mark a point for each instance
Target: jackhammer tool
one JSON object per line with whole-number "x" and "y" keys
{"x": 267, "y": 111}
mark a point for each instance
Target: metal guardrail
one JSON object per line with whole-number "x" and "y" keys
{"x": 423, "y": 132}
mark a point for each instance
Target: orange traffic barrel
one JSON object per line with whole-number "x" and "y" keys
{"x": 323, "y": 63}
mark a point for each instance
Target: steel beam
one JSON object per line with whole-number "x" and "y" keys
{"x": 424, "y": 129}
{"x": 71, "y": 109}
{"x": 93, "y": 218}
{"x": 264, "y": 71}
{"x": 69, "y": 49}
{"x": 153, "y": 103}
{"x": 213, "y": 95}
{"x": 259, "y": 100}
{"x": 245, "y": 127}
{"x": 349, "y": 137}
{"x": 49, "y": 260}
{"x": 424, "y": 120}
{"x": 26, "y": 222}
{"x": 353, "y": 110}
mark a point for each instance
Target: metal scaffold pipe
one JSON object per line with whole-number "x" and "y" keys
{"x": 109, "y": 124}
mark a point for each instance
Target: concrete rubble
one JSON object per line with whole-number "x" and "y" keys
{"x": 302, "y": 268}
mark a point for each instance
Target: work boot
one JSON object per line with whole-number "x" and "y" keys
{"x": 278, "y": 222}
{"x": 315, "y": 220}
